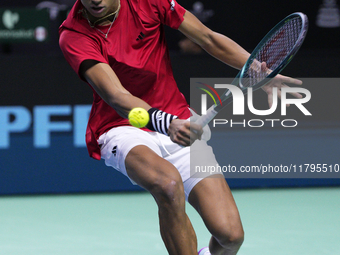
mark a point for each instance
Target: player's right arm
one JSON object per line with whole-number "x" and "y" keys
{"x": 107, "y": 85}
{"x": 91, "y": 67}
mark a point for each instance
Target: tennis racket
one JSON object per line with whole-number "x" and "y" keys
{"x": 276, "y": 49}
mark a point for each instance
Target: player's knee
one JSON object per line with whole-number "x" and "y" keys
{"x": 229, "y": 233}
{"x": 232, "y": 239}
{"x": 168, "y": 191}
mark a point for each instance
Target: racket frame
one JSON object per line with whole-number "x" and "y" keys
{"x": 226, "y": 97}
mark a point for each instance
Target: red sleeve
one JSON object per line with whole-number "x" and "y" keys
{"x": 78, "y": 47}
{"x": 170, "y": 12}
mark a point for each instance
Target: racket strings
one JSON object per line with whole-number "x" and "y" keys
{"x": 273, "y": 52}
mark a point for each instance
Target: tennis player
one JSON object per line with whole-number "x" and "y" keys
{"x": 118, "y": 47}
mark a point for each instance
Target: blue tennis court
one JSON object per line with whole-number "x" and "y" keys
{"x": 276, "y": 221}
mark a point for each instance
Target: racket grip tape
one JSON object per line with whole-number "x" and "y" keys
{"x": 205, "y": 119}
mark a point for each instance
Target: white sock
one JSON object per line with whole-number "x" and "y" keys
{"x": 204, "y": 251}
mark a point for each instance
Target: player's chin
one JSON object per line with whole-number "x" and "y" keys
{"x": 98, "y": 12}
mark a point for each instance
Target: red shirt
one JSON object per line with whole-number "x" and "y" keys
{"x": 136, "y": 50}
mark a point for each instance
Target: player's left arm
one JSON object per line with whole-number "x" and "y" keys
{"x": 228, "y": 51}
{"x": 216, "y": 44}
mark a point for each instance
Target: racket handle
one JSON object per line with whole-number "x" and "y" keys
{"x": 205, "y": 119}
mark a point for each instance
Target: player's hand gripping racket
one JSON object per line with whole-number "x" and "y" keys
{"x": 267, "y": 60}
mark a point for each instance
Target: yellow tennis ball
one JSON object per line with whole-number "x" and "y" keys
{"x": 138, "y": 117}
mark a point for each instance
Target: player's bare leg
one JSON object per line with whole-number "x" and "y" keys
{"x": 163, "y": 181}
{"x": 213, "y": 200}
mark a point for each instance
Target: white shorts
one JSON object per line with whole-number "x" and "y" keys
{"x": 117, "y": 143}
